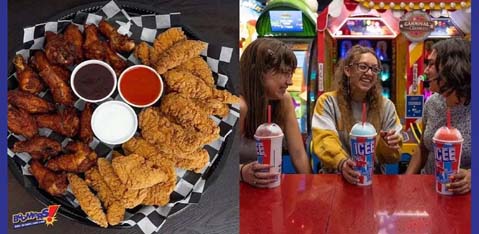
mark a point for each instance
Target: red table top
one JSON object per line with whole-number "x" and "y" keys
{"x": 328, "y": 204}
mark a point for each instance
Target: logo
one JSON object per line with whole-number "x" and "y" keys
{"x": 45, "y": 216}
{"x": 416, "y": 26}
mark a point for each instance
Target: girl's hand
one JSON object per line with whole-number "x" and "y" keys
{"x": 392, "y": 139}
{"x": 258, "y": 175}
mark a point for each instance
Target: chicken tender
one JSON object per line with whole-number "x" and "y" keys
{"x": 213, "y": 107}
{"x": 39, "y": 147}
{"x": 225, "y": 96}
{"x": 21, "y": 122}
{"x": 168, "y": 38}
{"x": 178, "y": 54}
{"x": 168, "y": 136}
{"x": 28, "y": 80}
{"x": 66, "y": 122}
{"x": 80, "y": 160}
{"x": 88, "y": 201}
{"x": 55, "y": 184}
{"x": 129, "y": 197}
{"x": 127, "y": 169}
{"x": 187, "y": 114}
{"x": 159, "y": 194}
{"x": 187, "y": 84}
{"x": 198, "y": 67}
{"x": 195, "y": 161}
{"x": 31, "y": 103}
{"x": 115, "y": 209}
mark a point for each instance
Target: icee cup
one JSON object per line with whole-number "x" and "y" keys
{"x": 269, "y": 141}
{"x": 447, "y": 144}
{"x": 363, "y": 148}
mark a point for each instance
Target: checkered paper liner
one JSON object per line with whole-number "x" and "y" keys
{"x": 190, "y": 185}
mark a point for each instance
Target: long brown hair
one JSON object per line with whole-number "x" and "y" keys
{"x": 374, "y": 97}
{"x": 261, "y": 56}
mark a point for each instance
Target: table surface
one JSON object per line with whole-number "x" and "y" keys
{"x": 328, "y": 204}
{"x": 218, "y": 210}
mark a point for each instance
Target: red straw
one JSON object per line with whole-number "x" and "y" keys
{"x": 448, "y": 118}
{"x": 364, "y": 113}
{"x": 269, "y": 113}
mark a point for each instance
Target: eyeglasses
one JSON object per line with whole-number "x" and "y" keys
{"x": 363, "y": 67}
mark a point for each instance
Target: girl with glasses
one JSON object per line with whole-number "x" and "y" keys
{"x": 336, "y": 112}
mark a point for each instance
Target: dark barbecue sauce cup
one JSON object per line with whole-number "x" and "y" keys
{"x": 93, "y": 81}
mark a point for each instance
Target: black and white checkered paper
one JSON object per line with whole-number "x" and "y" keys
{"x": 190, "y": 185}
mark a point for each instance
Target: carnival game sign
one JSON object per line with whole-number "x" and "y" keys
{"x": 416, "y": 26}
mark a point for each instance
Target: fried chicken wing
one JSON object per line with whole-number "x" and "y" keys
{"x": 93, "y": 47}
{"x": 198, "y": 67}
{"x": 80, "y": 159}
{"x": 187, "y": 84}
{"x": 115, "y": 209}
{"x": 116, "y": 62}
{"x": 86, "y": 133}
{"x": 187, "y": 114}
{"x": 74, "y": 36}
{"x": 61, "y": 91}
{"x": 129, "y": 197}
{"x": 28, "y": 79}
{"x": 168, "y": 38}
{"x": 62, "y": 73}
{"x": 178, "y": 54}
{"x": 127, "y": 169}
{"x": 88, "y": 201}
{"x": 39, "y": 147}
{"x": 31, "y": 103}
{"x": 168, "y": 136}
{"x": 118, "y": 42}
{"x": 66, "y": 122}
{"x": 21, "y": 122}
{"x": 58, "y": 50}
{"x": 55, "y": 184}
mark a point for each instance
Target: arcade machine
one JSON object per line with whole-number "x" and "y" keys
{"x": 249, "y": 13}
{"x": 294, "y": 23}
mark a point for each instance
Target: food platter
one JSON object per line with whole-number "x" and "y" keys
{"x": 177, "y": 204}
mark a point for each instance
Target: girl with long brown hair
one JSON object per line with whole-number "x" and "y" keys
{"x": 336, "y": 112}
{"x": 266, "y": 69}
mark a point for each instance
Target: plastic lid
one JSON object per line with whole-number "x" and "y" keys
{"x": 448, "y": 134}
{"x": 268, "y": 129}
{"x": 114, "y": 122}
{"x": 366, "y": 129}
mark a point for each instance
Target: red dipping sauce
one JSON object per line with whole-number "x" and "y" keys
{"x": 140, "y": 86}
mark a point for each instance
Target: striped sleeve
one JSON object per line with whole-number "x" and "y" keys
{"x": 326, "y": 142}
{"x": 390, "y": 121}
